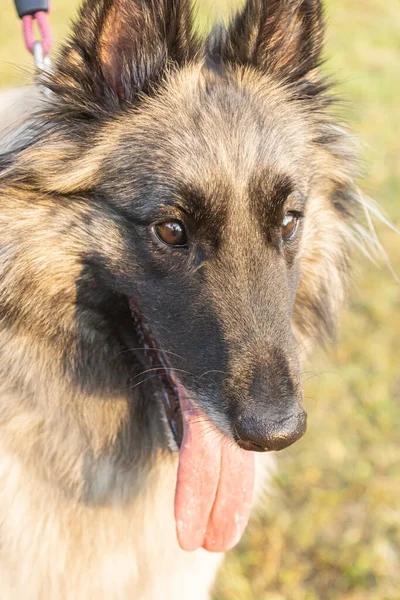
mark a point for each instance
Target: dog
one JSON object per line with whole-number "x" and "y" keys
{"x": 177, "y": 219}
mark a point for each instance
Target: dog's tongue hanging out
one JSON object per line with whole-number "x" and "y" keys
{"x": 215, "y": 485}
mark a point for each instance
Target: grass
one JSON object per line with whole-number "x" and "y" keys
{"x": 330, "y": 529}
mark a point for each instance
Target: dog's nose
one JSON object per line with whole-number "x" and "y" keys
{"x": 261, "y": 433}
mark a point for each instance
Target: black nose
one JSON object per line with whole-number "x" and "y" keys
{"x": 265, "y": 432}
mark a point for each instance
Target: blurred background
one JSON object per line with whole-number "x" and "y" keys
{"x": 330, "y": 528}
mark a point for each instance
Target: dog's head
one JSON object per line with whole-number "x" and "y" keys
{"x": 229, "y": 189}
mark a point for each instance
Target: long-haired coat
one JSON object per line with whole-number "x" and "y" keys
{"x": 175, "y": 221}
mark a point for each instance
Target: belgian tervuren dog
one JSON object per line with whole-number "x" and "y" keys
{"x": 176, "y": 220}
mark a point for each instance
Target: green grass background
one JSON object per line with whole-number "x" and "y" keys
{"x": 331, "y": 528}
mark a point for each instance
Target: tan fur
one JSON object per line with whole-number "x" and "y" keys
{"x": 74, "y": 551}
{"x": 119, "y": 544}
{"x": 86, "y": 495}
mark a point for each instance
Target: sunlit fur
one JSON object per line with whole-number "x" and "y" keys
{"x": 86, "y": 479}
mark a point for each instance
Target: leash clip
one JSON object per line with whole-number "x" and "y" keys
{"x": 41, "y": 60}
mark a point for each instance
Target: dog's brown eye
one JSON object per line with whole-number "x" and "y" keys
{"x": 289, "y": 226}
{"x": 172, "y": 233}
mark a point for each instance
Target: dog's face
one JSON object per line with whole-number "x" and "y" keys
{"x": 189, "y": 214}
{"x": 229, "y": 189}
{"x": 217, "y": 203}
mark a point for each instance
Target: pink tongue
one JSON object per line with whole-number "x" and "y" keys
{"x": 215, "y": 485}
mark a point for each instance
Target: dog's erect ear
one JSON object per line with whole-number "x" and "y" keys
{"x": 120, "y": 48}
{"x": 280, "y": 37}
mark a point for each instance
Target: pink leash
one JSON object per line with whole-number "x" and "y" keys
{"x": 42, "y": 21}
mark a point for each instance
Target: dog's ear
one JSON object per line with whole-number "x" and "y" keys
{"x": 279, "y": 37}
{"x": 121, "y": 48}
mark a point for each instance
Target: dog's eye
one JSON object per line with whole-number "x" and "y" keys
{"x": 289, "y": 226}
{"x": 172, "y": 233}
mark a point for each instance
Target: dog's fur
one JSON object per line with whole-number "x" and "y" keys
{"x": 144, "y": 118}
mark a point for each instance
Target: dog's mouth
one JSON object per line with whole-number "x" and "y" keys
{"x": 215, "y": 478}
{"x": 169, "y": 385}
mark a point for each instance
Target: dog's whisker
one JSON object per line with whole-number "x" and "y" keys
{"x": 209, "y": 372}
{"x": 321, "y": 374}
{"x": 301, "y": 345}
{"x": 139, "y": 383}
{"x": 161, "y": 368}
{"x": 161, "y": 350}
